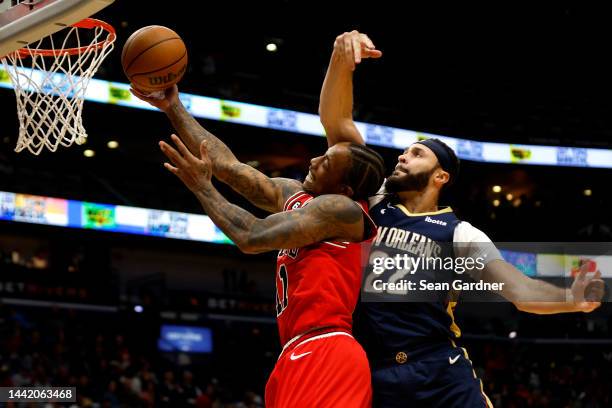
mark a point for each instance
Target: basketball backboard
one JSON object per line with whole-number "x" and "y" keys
{"x": 25, "y": 21}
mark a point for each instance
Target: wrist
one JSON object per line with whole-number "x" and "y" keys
{"x": 173, "y": 107}
{"x": 205, "y": 189}
{"x": 168, "y": 108}
{"x": 569, "y": 296}
{"x": 337, "y": 62}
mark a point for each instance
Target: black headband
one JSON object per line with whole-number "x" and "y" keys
{"x": 445, "y": 157}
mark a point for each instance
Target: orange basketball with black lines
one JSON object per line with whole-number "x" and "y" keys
{"x": 154, "y": 58}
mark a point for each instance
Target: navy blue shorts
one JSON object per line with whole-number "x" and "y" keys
{"x": 438, "y": 376}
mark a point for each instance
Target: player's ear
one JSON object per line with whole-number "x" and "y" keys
{"x": 442, "y": 177}
{"x": 347, "y": 190}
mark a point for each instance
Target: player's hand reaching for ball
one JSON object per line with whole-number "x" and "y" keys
{"x": 194, "y": 172}
{"x": 160, "y": 99}
{"x": 351, "y": 48}
{"x": 587, "y": 289}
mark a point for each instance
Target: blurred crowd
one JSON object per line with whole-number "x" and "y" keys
{"x": 107, "y": 367}
{"x": 113, "y": 365}
{"x": 529, "y": 375}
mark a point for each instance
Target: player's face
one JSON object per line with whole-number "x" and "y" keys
{"x": 414, "y": 169}
{"x": 327, "y": 173}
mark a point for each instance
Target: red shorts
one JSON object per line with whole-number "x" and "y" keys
{"x": 327, "y": 370}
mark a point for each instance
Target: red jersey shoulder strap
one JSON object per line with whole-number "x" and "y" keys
{"x": 297, "y": 197}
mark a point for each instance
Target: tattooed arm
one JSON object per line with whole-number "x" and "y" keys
{"x": 327, "y": 217}
{"x": 264, "y": 192}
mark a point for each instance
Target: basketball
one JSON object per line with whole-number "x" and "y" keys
{"x": 154, "y": 58}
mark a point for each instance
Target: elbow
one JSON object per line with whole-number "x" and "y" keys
{"x": 221, "y": 171}
{"x": 329, "y": 118}
{"x": 249, "y": 248}
{"x": 254, "y": 242}
{"x": 246, "y": 248}
{"x": 325, "y": 120}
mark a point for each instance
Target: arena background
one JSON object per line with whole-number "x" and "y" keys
{"x": 85, "y": 308}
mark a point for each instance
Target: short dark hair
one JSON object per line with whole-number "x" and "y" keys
{"x": 366, "y": 172}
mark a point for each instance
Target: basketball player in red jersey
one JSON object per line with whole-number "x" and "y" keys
{"x": 320, "y": 231}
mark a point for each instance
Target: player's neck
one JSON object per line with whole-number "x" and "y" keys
{"x": 419, "y": 201}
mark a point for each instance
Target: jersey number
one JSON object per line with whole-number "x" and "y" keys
{"x": 281, "y": 292}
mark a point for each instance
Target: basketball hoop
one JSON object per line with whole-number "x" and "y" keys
{"x": 51, "y": 89}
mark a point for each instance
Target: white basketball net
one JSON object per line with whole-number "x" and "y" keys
{"x": 50, "y": 91}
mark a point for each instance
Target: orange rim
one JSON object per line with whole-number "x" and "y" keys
{"x": 88, "y": 23}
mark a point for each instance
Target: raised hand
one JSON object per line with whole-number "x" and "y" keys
{"x": 162, "y": 100}
{"x": 194, "y": 172}
{"x": 587, "y": 289}
{"x": 353, "y": 47}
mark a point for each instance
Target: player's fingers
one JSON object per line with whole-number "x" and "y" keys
{"x": 366, "y": 40}
{"x": 366, "y": 53}
{"x": 181, "y": 146}
{"x": 581, "y": 273}
{"x": 596, "y": 289}
{"x": 595, "y": 296}
{"x": 142, "y": 96}
{"x": 593, "y": 281}
{"x": 136, "y": 92}
{"x": 586, "y": 264}
{"x": 339, "y": 44}
{"x": 597, "y": 275}
{"x": 348, "y": 52}
{"x": 172, "y": 154}
{"x": 356, "y": 50}
{"x": 368, "y": 49}
{"x": 171, "y": 168}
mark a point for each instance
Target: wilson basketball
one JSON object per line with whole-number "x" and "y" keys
{"x": 154, "y": 58}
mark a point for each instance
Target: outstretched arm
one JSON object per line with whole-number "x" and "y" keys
{"x": 327, "y": 217}
{"x": 336, "y": 101}
{"x": 536, "y": 296}
{"x": 264, "y": 192}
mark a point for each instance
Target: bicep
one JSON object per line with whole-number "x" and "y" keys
{"x": 325, "y": 218}
{"x": 262, "y": 191}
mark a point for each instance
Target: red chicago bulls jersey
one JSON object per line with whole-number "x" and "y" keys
{"x": 318, "y": 285}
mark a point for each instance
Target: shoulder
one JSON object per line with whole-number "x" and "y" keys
{"x": 466, "y": 232}
{"x": 469, "y": 241}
